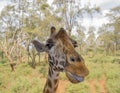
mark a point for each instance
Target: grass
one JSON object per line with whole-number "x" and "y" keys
{"x": 27, "y": 85}
{"x": 113, "y": 85}
{"x": 78, "y": 88}
{"x": 100, "y": 58}
{"x": 96, "y": 70}
{"x": 25, "y": 79}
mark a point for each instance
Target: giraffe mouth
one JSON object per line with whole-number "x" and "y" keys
{"x": 74, "y": 78}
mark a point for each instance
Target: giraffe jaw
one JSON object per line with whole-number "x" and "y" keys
{"x": 74, "y": 78}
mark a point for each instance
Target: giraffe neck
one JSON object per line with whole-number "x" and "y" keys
{"x": 52, "y": 81}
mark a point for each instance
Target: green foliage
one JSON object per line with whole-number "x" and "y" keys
{"x": 96, "y": 70}
{"x": 43, "y": 69}
{"x": 44, "y": 6}
{"x": 104, "y": 59}
{"x": 21, "y": 84}
{"x": 35, "y": 21}
{"x": 78, "y": 88}
{"x": 3, "y": 61}
{"x": 27, "y": 85}
{"x": 112, "y": 70}
{"x": 23, "y": 80}
{"x": 112, "y": 85}
{"x": 2, "y": 81}
{"x": 28, "y": 80}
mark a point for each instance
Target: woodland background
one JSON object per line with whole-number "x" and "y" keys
{"x": 23, "y": 69}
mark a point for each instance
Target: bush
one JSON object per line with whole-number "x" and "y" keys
{"x": 3, "y": 61}
{"x": 37, "y": 85}
{"x": 104, "y": 59}
{"x": 21, "y": 85}
{"x": 116, "y": 60}
{"x": 2, "y": 81}
{"x": 27, "y": 85}
{"x": 43, "y": 69}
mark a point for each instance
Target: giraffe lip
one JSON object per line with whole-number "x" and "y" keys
{"x": 78, "y": 78}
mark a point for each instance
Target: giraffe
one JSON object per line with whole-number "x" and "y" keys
{"x": 62, "y": 57}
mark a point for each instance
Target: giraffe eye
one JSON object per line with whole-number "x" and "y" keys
{"x": 72, "y": 59}
{"x": 50, "y": 45}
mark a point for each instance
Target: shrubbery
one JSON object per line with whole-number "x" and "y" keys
{"x": 28, "y": 80}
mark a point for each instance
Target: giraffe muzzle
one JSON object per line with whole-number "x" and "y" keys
{"x": 74, "y": 78}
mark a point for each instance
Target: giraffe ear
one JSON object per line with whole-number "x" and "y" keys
{"x": 75, "y": 44}
{"x": 40, "y": 47}
{"x": 52, "y": 31}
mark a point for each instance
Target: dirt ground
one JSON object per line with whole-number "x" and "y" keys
{"x": 102, "y": 85}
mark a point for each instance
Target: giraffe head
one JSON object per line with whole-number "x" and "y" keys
{"x": 63, "y": 56}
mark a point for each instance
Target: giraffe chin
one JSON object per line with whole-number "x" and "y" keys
{"x": 74, "y": 78}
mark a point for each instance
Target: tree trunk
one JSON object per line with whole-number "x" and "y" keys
{"x": 39, "y": 58}
{"x": 2, "y": 54}
{"x": 11, "y": 62}
{"x": 46, "y": 57}
{"x": 69, "y": 32}
{"x": 12, "y": 66}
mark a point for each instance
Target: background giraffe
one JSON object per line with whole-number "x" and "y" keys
{"x": 62, "y": 58}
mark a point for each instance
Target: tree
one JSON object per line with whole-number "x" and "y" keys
{"x": 91, "y": 40}
{"x": 114, "y": 18}
{"x": 81, "y": 38}
{"x": 106, "y": 39}
{"x": 72, "y": 13}
{"x": 109, "y": 34}
{"x": 23, "y": 21}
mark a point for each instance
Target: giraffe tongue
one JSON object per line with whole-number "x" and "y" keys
{"x": 78, "y": 78}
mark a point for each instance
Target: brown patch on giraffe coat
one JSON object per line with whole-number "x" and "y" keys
{"x": 55, "y": 89}
{"x": 50, "y": 73}
{"x": 55, "y": 81}
{"x": 56, "y": 84}
{"x": 56, "y": 62}
{"x": 49, "y": 83}
{"x": 57, "y": 75}
{"x": 47, "y": 91}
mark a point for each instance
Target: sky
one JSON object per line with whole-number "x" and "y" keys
{"x": 105, "y": 6}
{"x": 97, "y": 20}
{"x": 3, "y": 3}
